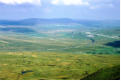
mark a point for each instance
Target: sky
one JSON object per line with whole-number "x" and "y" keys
{"x": 74, "y": 9}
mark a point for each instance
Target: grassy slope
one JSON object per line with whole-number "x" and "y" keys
{"x": 53, "y": 65}
{"x": 112, "y": 73}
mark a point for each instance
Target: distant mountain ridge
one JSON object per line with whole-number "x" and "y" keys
{"x": 34, "y": 21}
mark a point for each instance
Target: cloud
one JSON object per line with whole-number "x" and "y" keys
{"x": 55, "y": 2}
{"x": 92, "y": 4}
{"x": 14, "y": 2}
{"x": 98, "y": 4}
{"x": 110, "y": 5}
{"x": 69, "y": 2}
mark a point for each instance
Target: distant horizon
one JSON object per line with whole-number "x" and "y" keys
{"x": 63, "y": 18}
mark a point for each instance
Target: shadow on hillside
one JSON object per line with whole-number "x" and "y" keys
{"x": 115, "y": 44}
{"x": 112, "y": 73}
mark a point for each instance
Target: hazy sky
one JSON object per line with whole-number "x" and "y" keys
{"x": 75, "y": 9}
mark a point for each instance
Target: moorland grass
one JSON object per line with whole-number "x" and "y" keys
{"x": 57, "y": 66}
